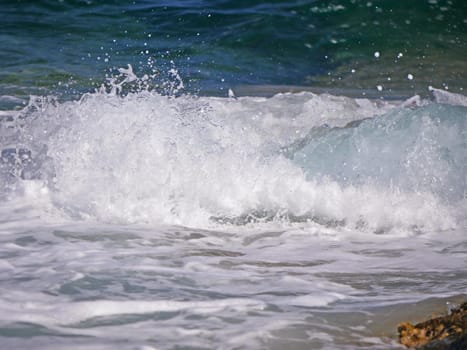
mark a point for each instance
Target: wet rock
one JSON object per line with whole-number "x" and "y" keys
{"x": 441, "y": 333}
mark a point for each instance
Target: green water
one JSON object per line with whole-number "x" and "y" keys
{"x": 69, "y": 46}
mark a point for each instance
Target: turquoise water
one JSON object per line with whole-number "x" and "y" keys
{"x": 230, "y": 174}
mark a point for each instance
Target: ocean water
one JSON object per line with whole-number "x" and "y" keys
{"x": 230, "y": 174}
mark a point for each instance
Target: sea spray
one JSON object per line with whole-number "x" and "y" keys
{"x": 198, "y": 161}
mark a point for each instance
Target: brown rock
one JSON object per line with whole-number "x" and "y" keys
{"x": 444, "y": 333}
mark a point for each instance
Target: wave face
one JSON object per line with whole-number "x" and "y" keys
{"x": 421, "y": 150}
{"x": 200, "y": 161}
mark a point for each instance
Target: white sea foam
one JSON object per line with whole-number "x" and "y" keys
{"x": 45, "y": 310}
{"x": 442, "y": 96}
{"x": 148, "y": 158}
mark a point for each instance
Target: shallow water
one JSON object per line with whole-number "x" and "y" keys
{"x": 168, "y": 287}
{"x": 296, "y": 286}
{"x": 158, "y": 192}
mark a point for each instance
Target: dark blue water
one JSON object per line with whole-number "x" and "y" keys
{"x": 67, "y": 46}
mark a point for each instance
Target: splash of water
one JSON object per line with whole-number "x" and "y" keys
{"x": 142, "y": 156}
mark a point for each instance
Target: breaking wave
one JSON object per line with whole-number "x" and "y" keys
{"x": 146, "y": 157}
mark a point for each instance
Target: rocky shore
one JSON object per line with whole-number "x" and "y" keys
{"x": 447, "y": 332}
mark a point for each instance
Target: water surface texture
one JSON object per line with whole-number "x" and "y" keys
{"x": 230, "y": 174}
{"x": 219, "y": 44}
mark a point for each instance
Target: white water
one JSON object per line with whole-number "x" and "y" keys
{"x": 147, "y": 221}
{"x": 147, "y": 158}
